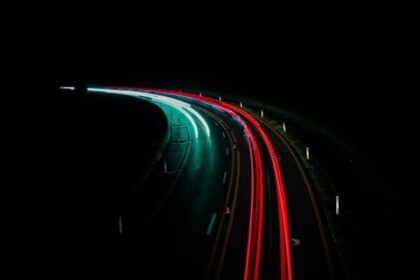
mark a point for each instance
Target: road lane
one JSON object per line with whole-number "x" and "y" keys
{"x": 313, "y": 254}
{"x": 253, "y": 256}
{"x": 253, "y": 159}
{"x": 177, "y": 234}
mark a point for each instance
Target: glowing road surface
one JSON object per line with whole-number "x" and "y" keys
{"x": 250, "y": 127}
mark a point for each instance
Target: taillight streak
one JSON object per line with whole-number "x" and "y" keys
{"x": 254, "y": 243}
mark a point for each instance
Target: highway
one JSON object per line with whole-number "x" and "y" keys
{"x": 220, "y": 211}
{"x": 307, "y": 226}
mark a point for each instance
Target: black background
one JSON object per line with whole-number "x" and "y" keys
{"x": 347, "y": 66}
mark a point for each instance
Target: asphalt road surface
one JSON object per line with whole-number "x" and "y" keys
{"x": 215, "y": 205}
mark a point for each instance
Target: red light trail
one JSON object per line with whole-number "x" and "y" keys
{"x": 255, "y": 229}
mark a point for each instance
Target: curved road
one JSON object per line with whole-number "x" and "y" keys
{"x": 220, "y": 209}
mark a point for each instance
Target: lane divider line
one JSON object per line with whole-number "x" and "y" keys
{"x": 211, "y": 224}
{"x": 224, "y": 178}
{"x": 253, "y": 263}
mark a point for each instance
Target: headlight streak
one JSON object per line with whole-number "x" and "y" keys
{"x": 285, "y": 250}
{"x": 181, "y": 106}
{"x": 67, "y": 87}
{"x": 253, "y": 258}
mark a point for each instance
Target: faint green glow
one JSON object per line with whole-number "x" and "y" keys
{"x": 181, "y": 106}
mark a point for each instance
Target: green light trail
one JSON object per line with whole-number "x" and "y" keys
{"x": 179, "y": 105}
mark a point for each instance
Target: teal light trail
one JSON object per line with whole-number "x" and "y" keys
{"x": 181, "y": 106}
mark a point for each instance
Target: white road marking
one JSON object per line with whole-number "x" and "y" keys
{"x": 211, "y": 224}
{"x": 224, "y": 177}
{"x": 295, "y": 242}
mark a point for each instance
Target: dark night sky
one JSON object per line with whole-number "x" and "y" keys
{"x": 297, "y": 50}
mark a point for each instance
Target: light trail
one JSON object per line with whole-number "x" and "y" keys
{"x": 285, "y": 247}
{"x": 255, "y": 228}
{"x": 67, "y": 87}
{"x": 181, "y": 106}
{"x": 253, "y": 255}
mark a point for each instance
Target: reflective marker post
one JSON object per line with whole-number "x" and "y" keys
{"x": 120, "y": 226}
{"x": 337, "y": 204}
